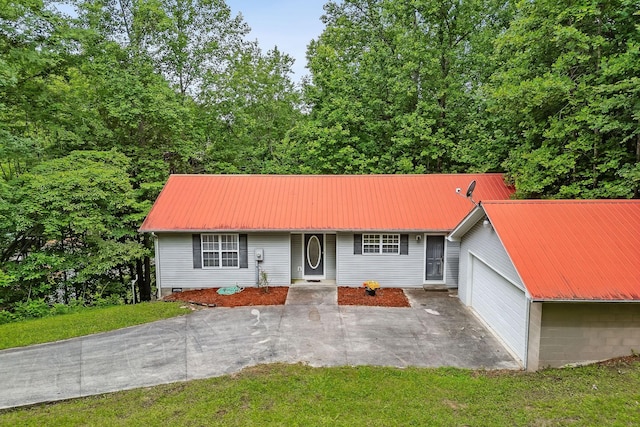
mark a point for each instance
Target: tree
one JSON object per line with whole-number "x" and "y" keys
{"x": 69, "y": 226}
{"x": 393, "y": 84}
{"x": 566, "y": 96}
{"x": 32, "y": 57}
{"x": 247, "y": 111}
{"x": 198, "y": 38}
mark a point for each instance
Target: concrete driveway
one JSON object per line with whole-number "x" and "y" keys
{"x": 310, "y": 328}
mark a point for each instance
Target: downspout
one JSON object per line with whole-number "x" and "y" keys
{"x": 525, "y": 361}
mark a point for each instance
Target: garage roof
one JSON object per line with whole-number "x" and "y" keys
{"x": 318, "y": 202}
{"x": 572, "y": 249}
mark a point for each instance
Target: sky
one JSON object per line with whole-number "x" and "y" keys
{"x": 288, "y": 24}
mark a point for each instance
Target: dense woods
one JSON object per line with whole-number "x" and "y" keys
{"x": 99, "y": 106}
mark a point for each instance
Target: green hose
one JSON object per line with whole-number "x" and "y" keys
{"x": 230, "y": 290}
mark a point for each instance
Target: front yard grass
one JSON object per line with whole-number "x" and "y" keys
{"x": 85, "y": 322}
{"x": 300, "y": 395}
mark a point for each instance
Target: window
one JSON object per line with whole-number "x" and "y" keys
{"x": 220, "y": 250}
{"x": 381, "y": 244}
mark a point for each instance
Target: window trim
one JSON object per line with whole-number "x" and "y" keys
{"x": 381, "y": 243}
{"x": 219, "y": 251}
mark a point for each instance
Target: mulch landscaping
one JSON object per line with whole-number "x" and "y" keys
{"x": 277, "y": 295}
{"x": 386, "y": 297}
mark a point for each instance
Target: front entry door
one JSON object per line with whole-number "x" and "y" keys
{"x": 313, "y": 256}
{"x": 434, "y": 268}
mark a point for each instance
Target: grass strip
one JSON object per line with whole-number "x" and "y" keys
{"x": 299, "y": 395}
{"x": 84, "y": 322}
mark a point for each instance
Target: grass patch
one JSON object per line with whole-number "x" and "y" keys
{"x": 372, "y": 396}
{"x": 84, "y": 322}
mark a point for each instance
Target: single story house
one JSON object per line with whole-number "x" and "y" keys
{"x": 557, "y": 280}
{"x": 222, "y": 230}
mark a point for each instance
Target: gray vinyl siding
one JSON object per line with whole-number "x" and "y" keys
{"x": 389, "y": 270}
{"x": 452, "y": 263}
{"x": 296, "y": 256}
{"x": 176, "y": 253}
{"x": 330, "y": 256}
{"x": 484, "y": 244}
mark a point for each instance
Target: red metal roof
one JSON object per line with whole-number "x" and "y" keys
{"x": 318, "y": 202}
{"x": 572, "y": 249}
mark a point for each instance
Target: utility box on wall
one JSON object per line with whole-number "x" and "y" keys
{"x": 259, "y": 254}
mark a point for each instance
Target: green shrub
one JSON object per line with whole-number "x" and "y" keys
{"x": 6, "y": 317}
{"x": 38, "y": 308}
{"x": 31, "y": 309}
{"x": 60, "y": 309}
{"x": 109, "y": 300}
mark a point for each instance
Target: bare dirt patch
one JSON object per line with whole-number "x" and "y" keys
{"x": 623, "y": 361}
{"x": 388, "y": 297}
{"x": 276, "y": 295}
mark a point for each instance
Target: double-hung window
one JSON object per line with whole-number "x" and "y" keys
{"x": 220, "y": 250}
{"x": 380, "y": 243}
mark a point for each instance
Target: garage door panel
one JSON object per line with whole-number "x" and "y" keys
{"x": 500, "y": 304}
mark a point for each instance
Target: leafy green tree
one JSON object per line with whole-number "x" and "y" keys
{"x": 566, "y": 97}
{"x": 198, "y": 38}
{"x": 32, "y": 56}
{"x": 247, "y": 110}
{"x": 70, "y": 225}
{"x": 396, "y": 86}
{"x": 133, "y": 107}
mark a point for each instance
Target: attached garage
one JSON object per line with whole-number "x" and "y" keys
{"x": 500, "y": 304}
{"x": 556, "y": 280}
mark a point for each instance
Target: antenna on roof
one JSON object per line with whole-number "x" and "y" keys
{"x": 470, "y": 188}
{"x": 469, "y": 193}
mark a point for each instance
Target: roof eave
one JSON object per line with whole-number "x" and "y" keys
{"x": 466, "y": 224}
{"x": 296, "y": 230}
{"x": 568, "y": 300}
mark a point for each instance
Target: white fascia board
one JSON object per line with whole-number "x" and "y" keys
{"x": 466, "y": 224}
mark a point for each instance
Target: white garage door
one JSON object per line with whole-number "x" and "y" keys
{"x": 500, "y": 304}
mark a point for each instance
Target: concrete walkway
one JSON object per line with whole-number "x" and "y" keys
{"x": 311, "y": 328}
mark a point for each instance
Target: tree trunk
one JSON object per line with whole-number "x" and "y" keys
{"x": 144, "y": 274}
{"x": 140, "y": 276}
{"x": 146, "y": 294}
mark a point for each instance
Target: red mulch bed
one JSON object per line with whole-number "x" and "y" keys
{"x": 277, "y": 295}
{"x": 387, "y": 297}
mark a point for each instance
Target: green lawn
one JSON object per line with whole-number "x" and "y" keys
{"x": 298, "y": 395}
{"x": 85, "y": 322}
